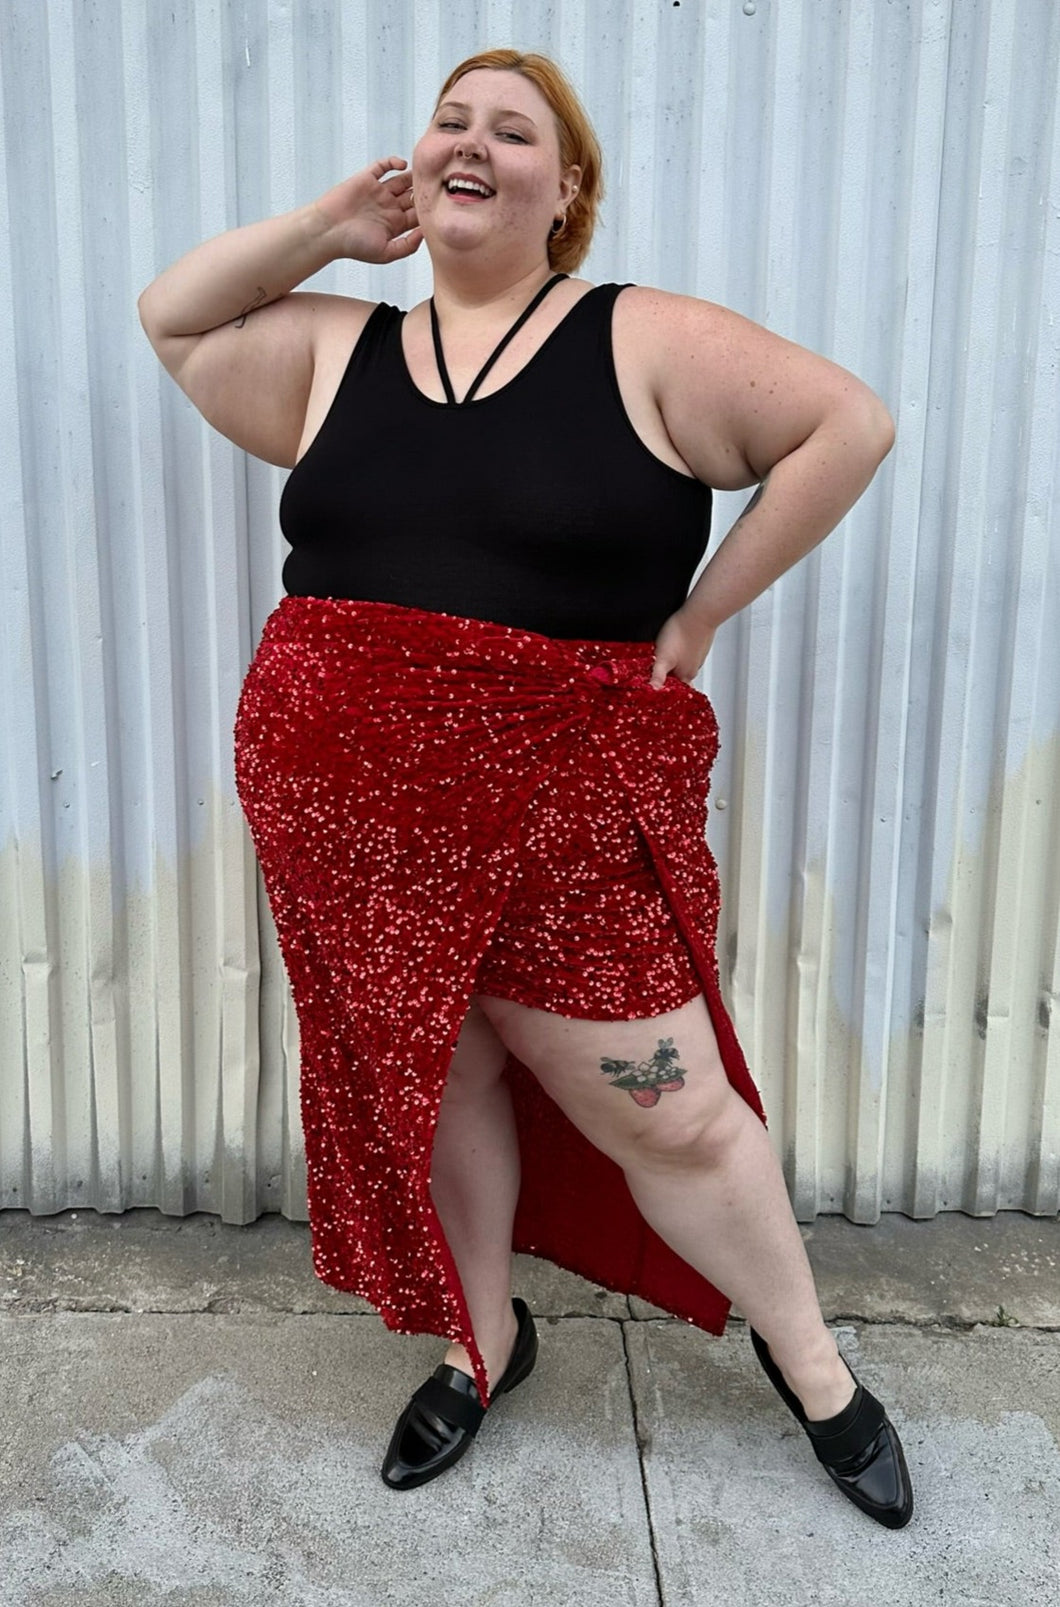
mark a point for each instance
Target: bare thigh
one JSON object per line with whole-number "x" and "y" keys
{"x": 653, "y": 1090}
{"x": 479, "y": 1057}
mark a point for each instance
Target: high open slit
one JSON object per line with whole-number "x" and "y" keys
{"x": 386, "y": 758}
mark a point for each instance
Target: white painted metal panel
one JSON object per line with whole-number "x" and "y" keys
{"x": 879, "y": 181}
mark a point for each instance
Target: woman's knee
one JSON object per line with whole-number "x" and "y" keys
{"x": 700, "y": 1136}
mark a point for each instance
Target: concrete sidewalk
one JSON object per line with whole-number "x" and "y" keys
{"x": 189, "y": 1417}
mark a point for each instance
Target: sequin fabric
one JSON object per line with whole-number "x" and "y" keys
{"x": 443, "y": 806}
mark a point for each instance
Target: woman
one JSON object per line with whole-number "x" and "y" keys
{"x": 474, "y": 765}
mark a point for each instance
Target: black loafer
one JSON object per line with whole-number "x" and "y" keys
{"x": 858, "y": 1448}
{"x": 442, "y": 1418}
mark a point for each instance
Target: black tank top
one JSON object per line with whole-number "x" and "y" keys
{"x": 537, "y": 506}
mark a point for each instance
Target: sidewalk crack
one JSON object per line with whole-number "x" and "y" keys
{"x": 643, "y": 1439}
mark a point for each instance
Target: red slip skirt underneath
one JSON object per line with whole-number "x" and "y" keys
{"x": 443, "y": 806}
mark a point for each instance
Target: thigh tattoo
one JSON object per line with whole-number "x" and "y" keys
{"x": 647, "y": 1080}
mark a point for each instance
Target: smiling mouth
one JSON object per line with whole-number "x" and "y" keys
{"x": 468, "y": 189}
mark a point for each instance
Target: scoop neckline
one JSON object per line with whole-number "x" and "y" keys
{"x": 480, "y": 401}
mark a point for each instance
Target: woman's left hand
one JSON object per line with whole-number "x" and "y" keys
{"x": 681, "y": 648}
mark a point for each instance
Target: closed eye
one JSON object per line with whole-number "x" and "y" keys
{"x": 506, "y": 133}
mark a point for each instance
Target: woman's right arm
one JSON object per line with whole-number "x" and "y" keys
{"x": 225, "y": 326}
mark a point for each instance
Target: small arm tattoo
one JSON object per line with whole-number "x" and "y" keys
{"x": 249, "y": 308}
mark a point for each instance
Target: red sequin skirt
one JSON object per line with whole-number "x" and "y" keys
{"x": 444, "y": 806}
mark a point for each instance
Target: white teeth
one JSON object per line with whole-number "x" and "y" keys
{"x": 467, "y": 187}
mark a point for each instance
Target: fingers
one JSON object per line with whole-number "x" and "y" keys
{"x": 399, "y": 190}
{"x": 407, "y": 218}
{"x": 389, "y": 173}
{"x": 404, "y": 246}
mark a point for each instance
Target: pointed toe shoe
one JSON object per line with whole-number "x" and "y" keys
{"x": 859, "y": 1448}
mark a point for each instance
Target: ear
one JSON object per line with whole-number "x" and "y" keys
{"x": 569, "y": 182}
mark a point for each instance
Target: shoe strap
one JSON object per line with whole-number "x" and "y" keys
{"x": 450, "y": 1404}
{"x": 849, "y": 1441}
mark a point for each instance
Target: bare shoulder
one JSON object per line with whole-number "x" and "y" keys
{"x": 735, "y": 396}
{"x": 680, "y": 335}
{"x": 666, "y": 310}
{"x": 683, "y": 351}
{"x": 668, "y": 324}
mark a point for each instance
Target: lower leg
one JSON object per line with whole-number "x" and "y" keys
{"x": 700, "y": 1166}
{"x": 475, "y": 1185}
{"x": 731, "y": 1219}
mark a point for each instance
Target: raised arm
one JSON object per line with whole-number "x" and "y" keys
{"x": 744, "y": 406}
{"x": 224, "y": 324}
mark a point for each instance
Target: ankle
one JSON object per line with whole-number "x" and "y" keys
{"x": 819, "y": 1378}
{"x": 495, "y": 1339}
{"x": 809, "y": 1363}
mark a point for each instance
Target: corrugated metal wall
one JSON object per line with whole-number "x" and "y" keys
{"x": 878, "y": 180}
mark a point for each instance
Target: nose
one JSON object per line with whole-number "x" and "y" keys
{"x": 467, "y": 146}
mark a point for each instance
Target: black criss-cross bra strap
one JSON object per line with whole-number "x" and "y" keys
{"x": 443, "y": 372}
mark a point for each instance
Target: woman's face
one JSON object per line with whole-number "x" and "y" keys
{"x": 487, "y": 170}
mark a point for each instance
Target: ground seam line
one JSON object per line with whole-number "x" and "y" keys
{"x": 637, "y": 1435}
